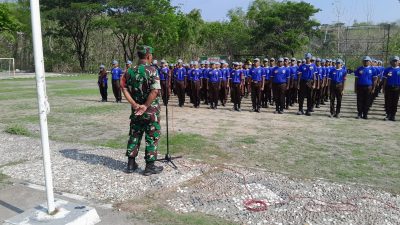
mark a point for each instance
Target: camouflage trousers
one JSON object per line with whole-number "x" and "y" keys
{"x": 148, "y": 124}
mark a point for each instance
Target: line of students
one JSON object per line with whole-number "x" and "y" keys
{"x": 282, "y": 83}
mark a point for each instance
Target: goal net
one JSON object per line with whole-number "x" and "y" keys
{"x": 7, "y": 67}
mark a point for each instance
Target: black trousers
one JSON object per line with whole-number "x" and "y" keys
{"x": 293, "y": 92}
{"x": 164, "y": 92}
{"x": 236, "y": 93}
{"x": 336, "y": 93}
{"x": 279, "y": 91}
{"x": 223, "y": 92}
{"x": 392, "y": 96}
{"x": 214, "y": 91}
{"x": 103, "y": 91}
{"x": 306, "y": 91}
{"x": 180, "y": 91}
{"x": 196, "y": 93}
{"x": 256, "y": 94}
{"x": 204, "y": 92}
{"x": 363, "y": 99}
{"x": 116, "y": 86}
{"x": 266, "y": 95}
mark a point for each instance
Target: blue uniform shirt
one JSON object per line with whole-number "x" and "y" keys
{"x": 392, "y": 76}
{"x": 294, "y": 71}
{"x": 116, "y": 73}
{"x": 189, "y": 74}
{"x": 307, "y": 71}
{"x": 257, "y": 73}
{"x": 320, "y": 72}
{"x": 164, "y": 73}
{"x": 179, "y": 74}
{"x": 225, "y": 74}
{"x": 280, "y": 75}
{"x": 205, "y": 73}
{"x": 365, "y": 75}
{"x": 215, "y": 75}
{"x": 196, "y": 74}
{"x": 267, "y": 73}
{"x": 246, "y": 72}
{"x": 236, "y": 76}
{"x": 337, "y": 76}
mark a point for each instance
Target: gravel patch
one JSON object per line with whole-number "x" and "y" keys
{"x": 223, "y": 192}
{"x": 97, "y": 174}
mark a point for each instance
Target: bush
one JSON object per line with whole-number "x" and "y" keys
{"x": 18, "y": 129}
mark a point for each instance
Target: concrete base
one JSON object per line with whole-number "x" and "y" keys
{"x": 68, "y": 213}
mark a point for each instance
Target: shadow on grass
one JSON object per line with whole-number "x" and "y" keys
{"x": 93, "y": 159}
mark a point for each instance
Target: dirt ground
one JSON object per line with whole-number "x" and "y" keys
{"x": 295, "y": 148}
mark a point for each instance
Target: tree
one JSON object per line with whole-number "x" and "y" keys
{"x": 8, "y": 23}
{"x": 137, "y": 21}
{"x": 281, "y": 27}
{"x": 75, "y": 21}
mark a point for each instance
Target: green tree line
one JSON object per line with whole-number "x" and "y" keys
{"x": 79, "y": 35}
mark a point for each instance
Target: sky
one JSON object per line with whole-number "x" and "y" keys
{"x": 376, "y": 11}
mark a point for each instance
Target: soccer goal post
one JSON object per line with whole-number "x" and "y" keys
{"x": 7, "y": 67}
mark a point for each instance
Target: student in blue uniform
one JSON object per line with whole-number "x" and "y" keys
{"x": 236, "y": 81}
{"x": 364, "y": 86}
{"x": 293, "y": 81}
{"x": 223, "y": 93}
{"x": 320, "y": 79}
{"x": 280, "y": 79}
{"x": 164, "y": 80}
{"x": 116, "y": 74}
{"x": 286, "y": 64}
{"x": 306, "y": 83}
{"x": 257, "y": 78}
{"x": 204, "y": 95}
{"x": 336, "y": 82}
{"x": 196, "y": 83}
{"x": 391, "y": 88}
{"x": 180, "y": 79}
{"x": 214, "y": 84}
{"x": 102, "y": 82}
{"x": 266, "y": 94}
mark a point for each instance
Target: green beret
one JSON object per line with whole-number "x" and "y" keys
{"x": 145, "y": 49}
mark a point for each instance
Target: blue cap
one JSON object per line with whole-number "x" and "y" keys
{"x": 235, "y": 63}
{"x": 163, "y": 61}
{"x": 303, "y": 61}
{"x": 318, "y": 59}
{"x": 129, "y": 62}
{"x": 367, "y": 58}
{"x": 114, "y": 62}
{"x": 265, "y": 60}
{"x": 293, "y": 59}
{"x": 207, "y": 62}
{"x": 285, "y": 58}
{"x": 256, "y": 60}
{"x": 272, "y": 59}
{"x": 280, "y": 60}
{"x": 339, "y": 61}
{"x": 155, "y": 61}
{"x": 323, "y": 60}
{"x": 217, "y": 63}
{"x": 223, "y": 61}
{"x": 180, "y": 61}
{"x": 102, "y": 66}
{"x": 307, "y": 55}
{"x": 171, "y": 65}
{"x": 313, "y": 58}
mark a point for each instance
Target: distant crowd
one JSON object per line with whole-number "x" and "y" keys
{"x": 281, "y": 83}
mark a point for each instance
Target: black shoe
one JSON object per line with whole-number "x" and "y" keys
{"x": 312, "y": 110}
{"x": 317, "y": 106}
{"x": 365, "y": 117}
{"x": 392, "y": 118}
{"x": 322, "y": 103}
{"x": 337, "y": 116}
{"x": 308, "y": 113}
{"x": 300, "y": 112}
{"x": 132, "y": 165}
{"x": 280, "y": 112}
{"x": 152, "y": 169}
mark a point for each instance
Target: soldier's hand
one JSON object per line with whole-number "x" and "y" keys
{"x": 140, "y": 110}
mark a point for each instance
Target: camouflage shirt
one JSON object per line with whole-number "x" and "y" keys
{"x": 140, "y": 81}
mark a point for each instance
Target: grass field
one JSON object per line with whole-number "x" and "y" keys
{"x": 344, "y": 150}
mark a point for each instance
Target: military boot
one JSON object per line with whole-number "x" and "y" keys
{"x": 132, "y": 165}
{"x": 152, "y": 169}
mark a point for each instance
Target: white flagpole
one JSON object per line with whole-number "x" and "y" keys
{"x": 42, "y": 101}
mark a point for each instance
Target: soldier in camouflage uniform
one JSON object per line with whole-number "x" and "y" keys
{"x": 141, "y": 86}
